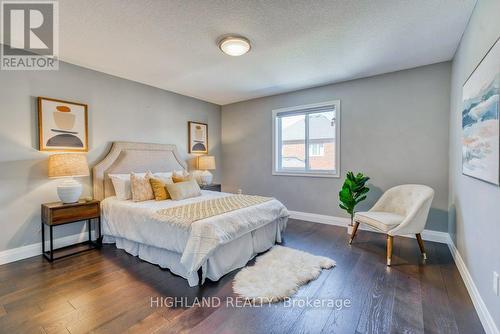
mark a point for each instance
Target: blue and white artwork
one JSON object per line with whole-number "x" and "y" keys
{"x": 480, "y": 120}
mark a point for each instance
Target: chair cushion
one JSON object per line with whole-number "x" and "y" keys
{"x": 383, "y": 221}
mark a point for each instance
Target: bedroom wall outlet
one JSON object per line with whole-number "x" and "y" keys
{"x": 496, "y": 283}
{"x": 240, "y": 191}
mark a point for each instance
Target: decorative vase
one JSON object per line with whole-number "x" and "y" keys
{"x": 69, "y": 191}
{"x": 206, "y": 178}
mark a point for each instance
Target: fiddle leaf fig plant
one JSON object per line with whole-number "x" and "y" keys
{"x": 353, "y": 192}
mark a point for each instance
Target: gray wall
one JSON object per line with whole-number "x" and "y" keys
{"x": 118, "y": 110}
{"x": 394, "y": 128}
{"x": 474, "y": 205}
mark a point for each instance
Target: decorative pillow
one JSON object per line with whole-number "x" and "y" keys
{"x": 181, "y": 177}
{"x": 182, "y": 172}
{"x": 121, "y": 183}
{"x": 159, "y": 187}
{"x": 141, "y": 188}
{"x": 183, "y": 190}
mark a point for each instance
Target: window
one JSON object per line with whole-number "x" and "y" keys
{"x": 316, "y": 150}
{"x": 306, "y": 140}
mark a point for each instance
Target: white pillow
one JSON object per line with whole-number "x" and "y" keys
{"x": 121, "y": 183}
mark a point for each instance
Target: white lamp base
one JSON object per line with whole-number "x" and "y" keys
{"x": 69, "y": 191}
{"x": 206, "y": 178}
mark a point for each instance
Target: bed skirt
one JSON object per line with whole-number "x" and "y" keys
{"x": 226, "y": 258}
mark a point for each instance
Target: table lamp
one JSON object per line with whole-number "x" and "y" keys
{"x": 68, "y": 166}
{"x": 205, "y": 163}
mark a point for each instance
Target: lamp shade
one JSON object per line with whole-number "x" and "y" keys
{"x": 68, "y": 165}
{"x": 206, "y": 162}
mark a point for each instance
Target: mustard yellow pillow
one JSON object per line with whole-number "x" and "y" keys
{"x": 159, "y": 188}
{"x": 181, "y": 178}
{"x": 183, "y": 190}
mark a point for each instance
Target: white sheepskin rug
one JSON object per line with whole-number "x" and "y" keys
{"x": 278, "y": 274}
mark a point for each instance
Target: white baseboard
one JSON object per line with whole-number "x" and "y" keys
{"x": 484, "y": 315}
{"x": 428, "y": 235}
{"x": 24, "y": 252}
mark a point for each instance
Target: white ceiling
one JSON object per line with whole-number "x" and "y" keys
{"x": 295, "y": 44}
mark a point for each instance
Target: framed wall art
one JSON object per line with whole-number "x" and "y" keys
{"x": 480, "y": 119}
{"x": 198, "y": 137}
{"x": 62, "y": 125}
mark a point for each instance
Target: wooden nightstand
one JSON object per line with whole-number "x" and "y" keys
{"x": 57, "y": 213}
{"x": 212, "y": 187}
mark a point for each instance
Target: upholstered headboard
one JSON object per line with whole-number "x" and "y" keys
{"x": 126, "y": 157}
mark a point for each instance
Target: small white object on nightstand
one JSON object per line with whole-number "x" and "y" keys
{"x": 68, "y": 166}
{"x": 205, "y": 163}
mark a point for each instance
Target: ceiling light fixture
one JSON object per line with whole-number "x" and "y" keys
{"x": 234, "y": 45}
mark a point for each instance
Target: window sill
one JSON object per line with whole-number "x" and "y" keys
{"x": 328, "y": 175}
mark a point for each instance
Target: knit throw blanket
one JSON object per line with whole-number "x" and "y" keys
{"x": 185, "y": 215}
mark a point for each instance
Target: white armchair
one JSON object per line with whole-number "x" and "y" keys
{"x": 401, "y": 210}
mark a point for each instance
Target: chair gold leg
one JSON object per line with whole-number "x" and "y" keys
{"x": 354, "y": 230}
{"x": 421, "y": 245}
{"x": 390, "y": 240}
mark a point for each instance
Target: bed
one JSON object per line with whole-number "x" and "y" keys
{"x": 207, "y": 248}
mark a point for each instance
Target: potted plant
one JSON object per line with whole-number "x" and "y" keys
{"x": 353, "y": 191}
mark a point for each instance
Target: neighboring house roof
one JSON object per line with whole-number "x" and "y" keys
{"x": 320, "y": 123}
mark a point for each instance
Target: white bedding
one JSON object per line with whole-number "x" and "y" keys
{"x": 135, "y": 221}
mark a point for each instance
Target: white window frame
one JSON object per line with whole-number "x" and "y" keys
{"x": 300, "y": 110}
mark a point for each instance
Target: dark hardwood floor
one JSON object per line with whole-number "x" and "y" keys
{"x": 109, "y": 291}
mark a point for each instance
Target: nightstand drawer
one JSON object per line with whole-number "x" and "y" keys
{"x": 70, "y": 214}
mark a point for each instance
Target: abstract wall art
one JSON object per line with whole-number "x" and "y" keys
{"x": 62, "y": 125}
{"x": 198, "y": 137}
{"x": 480, "y": 119}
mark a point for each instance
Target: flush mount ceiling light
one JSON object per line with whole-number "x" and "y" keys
{"x": 234, "y": 45}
